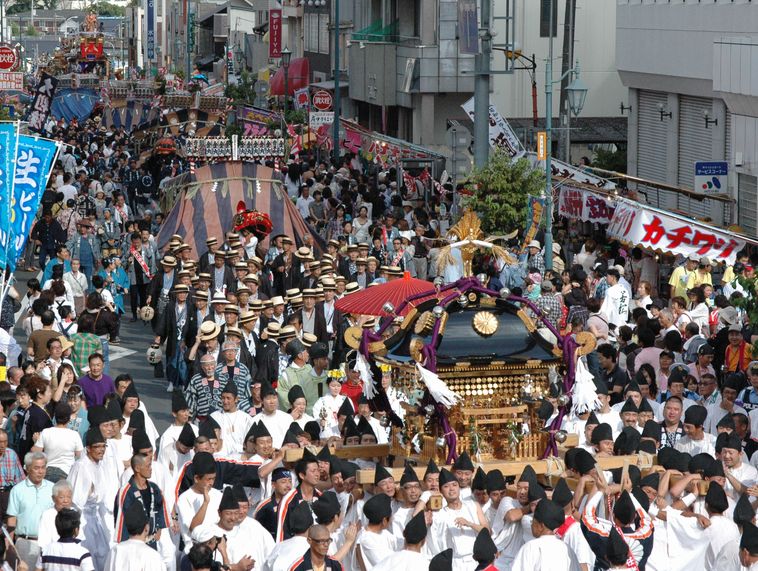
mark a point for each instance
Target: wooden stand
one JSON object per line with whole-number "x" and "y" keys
{"x": 513, "y": 468}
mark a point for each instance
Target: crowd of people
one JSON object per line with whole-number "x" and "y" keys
{"x": 257, "y": 369}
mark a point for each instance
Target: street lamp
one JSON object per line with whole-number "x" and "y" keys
{"x": 576, "y": 93}
{"x": 286, "y": 56}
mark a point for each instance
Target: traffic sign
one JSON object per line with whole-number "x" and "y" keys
{"x": 8, "y": 58}
{"x": 711, "y": 176}
{"x": 318, "y": 118}
{"x": 322, "y": 100}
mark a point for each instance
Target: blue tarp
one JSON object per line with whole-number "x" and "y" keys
{"x": 70, "y": 103}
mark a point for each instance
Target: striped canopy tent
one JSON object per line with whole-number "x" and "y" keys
{"x": 130, "y": 116}
{"x": 202, "y": 204}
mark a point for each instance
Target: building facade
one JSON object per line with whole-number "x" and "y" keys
{"x": 594, "y": 46}
{"x": 689, "y": 68}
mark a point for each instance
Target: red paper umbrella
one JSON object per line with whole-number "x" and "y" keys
{"x": 371, "y": 300}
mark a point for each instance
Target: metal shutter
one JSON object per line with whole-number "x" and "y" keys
{"x": 694, "y": 145}
{"x": 747, "y": 203}
{"x": 651, "y": 144}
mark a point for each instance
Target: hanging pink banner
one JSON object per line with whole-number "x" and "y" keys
{"x": 585, "y": 205}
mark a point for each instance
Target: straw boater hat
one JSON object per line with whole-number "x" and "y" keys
{"x": 242, "y": 266}
{"x": 219, "y": 297}
{"x": 201, "y": 295}
{"x": 243, "y": 289}
{"x": 255, "y": 260}
{"x": 209, "y": 330}
{"x": 169, "y": 261}
{"x": 292, "y": 292}
{"x": 352, "y": 287}
{"x": 234, "y": 331}
{"x": 308, "y": 292}
{"x": 231, "y": 308}
{"x": 309, "y": 339}
{"x": 287, "y": 240}
{"x": 277, "y": 300}
{"x": 296, "y": 302}
{"x": 287, "y": 332}
{"x": 212, "y": 241}
{"x": 302, "y": 252}
{"x": 204, "y": 276}
{"x": 267, "y": 303}
{"x": 180, "y": 288}
{"x": 272, "y": 330}
{"x": 256, "y": 305}
{"x": 247, "y": 317}
{"x": 251, "y": 278}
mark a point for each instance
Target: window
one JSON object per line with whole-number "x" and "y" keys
{"x": 310, "y": 32}
{"x": 323, "y": 34}
{"x": 545, "y": 6}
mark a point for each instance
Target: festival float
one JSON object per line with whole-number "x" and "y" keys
{"x": 472, "y": 363}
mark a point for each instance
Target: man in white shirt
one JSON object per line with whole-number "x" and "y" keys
{"x": 739, "y": 475}
{"x": 69, "y": 190}
{"x": 134, "y": 553}
{"x": 200, "y": 503}
{"x": 304, "y": 201}
{"x": 247, "y": 541}
{"x": 546, "y": 552}
{"x": 375, "y": 541}
{"x": 411, "y": 556}
{"x": 87, "y": 479}
{"x": 616, "y": 303}
{"x": 722, "y": 529}
{"x": 285, "y": 553}
{"x": 277, "y": 422}
{"x": 234, "y": 423}
{"x": 696, "y": 440}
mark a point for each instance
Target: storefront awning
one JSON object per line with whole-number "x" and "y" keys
{"x": 651, "y": 228}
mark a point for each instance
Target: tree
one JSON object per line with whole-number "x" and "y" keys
{"x": 500, "y": 192}
{"x": 104, "y": 8}
{"x": 611, "y": 160}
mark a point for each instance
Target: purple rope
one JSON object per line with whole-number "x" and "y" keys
{"x": 429, "y": 353}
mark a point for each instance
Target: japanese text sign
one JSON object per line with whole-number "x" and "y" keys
{"x": 501, "y": 134}
{"x": 648, "y": 228}
{"x": 711, "y": 176}
{"x": 585, "y": 205}
{"x": 34, "y": 162}
{"x": 275, "y": 33}
{"x": 39, "y": 110}
{"x": 150, "y": 17}
{"x": 8, "y": 144}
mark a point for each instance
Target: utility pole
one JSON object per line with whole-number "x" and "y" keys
{"x": 336, "y": 124}
{"x": 549, "y": 145}
{"x": 482, "y": 89}
{"x": 566, "y": 63}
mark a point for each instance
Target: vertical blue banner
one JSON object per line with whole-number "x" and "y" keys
{"x": 150, "y": 17}
{"x": 34, "y": 162}
{"x": 468, "y": 27}
{"x": 8, "y": 144}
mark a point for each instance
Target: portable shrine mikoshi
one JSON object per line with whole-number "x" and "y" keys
{"x": 474, "y": 366}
